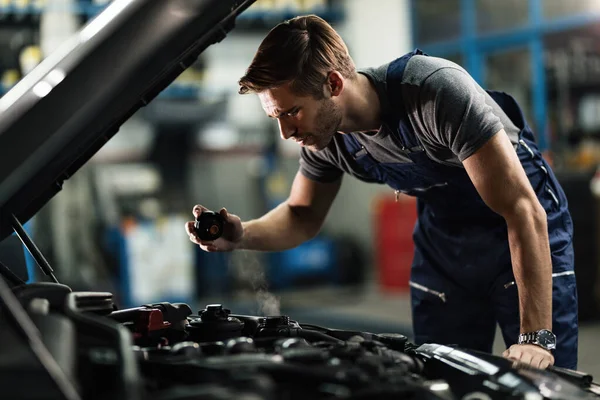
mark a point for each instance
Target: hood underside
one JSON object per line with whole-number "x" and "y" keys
{"x": 55, "y": 119}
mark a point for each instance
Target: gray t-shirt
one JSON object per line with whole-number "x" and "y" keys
{"x": 451, "y": 115}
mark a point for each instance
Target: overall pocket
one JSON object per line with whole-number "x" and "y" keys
{"x": 554, "y": 275}
{"x": 550, "y": 195}
{"x": 541, "y": 182}
{"x": 425, "y": 289}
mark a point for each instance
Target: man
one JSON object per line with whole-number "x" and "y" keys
{"x": 493, "y": 237}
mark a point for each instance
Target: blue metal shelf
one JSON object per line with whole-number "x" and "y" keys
{"x": 91, "y": 10}
{"x": 327, "y": 13}
{"x": 514, "y": 37}
{"x": 14, "y": 10}
{"x": 474, "y": 46}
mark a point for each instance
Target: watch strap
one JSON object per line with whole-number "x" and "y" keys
{"x": 528, "y": 338}
{"x": 534, "y": 338}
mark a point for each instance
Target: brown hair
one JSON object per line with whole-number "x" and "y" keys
{"x": 302, "y": 50}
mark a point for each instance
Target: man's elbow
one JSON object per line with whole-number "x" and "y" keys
{"x": 307, "y": 222}
{"x": 526, "y": 210}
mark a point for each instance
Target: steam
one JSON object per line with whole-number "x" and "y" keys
{"x": 250, "y": 273}
{"x": 268, "y": 304}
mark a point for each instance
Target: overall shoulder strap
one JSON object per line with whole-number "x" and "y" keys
{"x": 398, "y": 119}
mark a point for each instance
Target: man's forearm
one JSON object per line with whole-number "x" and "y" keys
{"x": 280, "y": 229}
{"x": 532, "y": 267}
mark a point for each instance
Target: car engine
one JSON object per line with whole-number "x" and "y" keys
{"x": 167, "y": 351}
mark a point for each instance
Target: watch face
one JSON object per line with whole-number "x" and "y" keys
{"x": 546, "y": 339}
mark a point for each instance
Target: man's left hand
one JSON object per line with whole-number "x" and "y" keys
{"x": 530, "y": 354}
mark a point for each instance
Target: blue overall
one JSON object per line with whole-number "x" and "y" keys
{"x": 461, "y": 279}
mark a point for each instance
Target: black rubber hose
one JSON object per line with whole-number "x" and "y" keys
{"x": 314, "y": 336}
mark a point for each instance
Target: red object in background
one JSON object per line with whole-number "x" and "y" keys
{"x": 394, "y": 247}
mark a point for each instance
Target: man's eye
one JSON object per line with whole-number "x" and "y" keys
{"x": 293, "y": 113}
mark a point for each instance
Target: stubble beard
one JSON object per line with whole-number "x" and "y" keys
{"x": 327, "y": 122}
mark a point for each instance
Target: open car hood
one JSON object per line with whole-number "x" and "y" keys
{"x": 56, "y": 118}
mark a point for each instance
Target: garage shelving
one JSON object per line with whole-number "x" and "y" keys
{"x": 260, "y": 16}
{"x": 473, "y": 40}
{"x": 91, "y": 10}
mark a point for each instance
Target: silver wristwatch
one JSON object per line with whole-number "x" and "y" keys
{"x": 543, "y": 338}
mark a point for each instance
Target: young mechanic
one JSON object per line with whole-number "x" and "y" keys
{"x": 493, "y": 237}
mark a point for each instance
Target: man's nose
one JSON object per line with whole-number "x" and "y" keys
{"x": 286, "y": 130}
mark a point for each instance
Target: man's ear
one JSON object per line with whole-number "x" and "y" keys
{"x": 335, "y": 83}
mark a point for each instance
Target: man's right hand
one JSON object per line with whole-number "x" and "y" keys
{"x": 232, "y": 232}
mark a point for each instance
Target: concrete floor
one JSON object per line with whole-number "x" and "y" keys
{"x": 367, "y": 309}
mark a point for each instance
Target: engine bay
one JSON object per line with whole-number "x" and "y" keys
{"x": 169, "y": 351}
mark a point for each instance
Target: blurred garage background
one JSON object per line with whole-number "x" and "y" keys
{"x": 118, "y": 224}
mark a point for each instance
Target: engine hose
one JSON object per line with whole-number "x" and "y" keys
{"x": 314, "y": 336}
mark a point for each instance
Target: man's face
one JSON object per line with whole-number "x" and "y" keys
{"x": 311, "y": 123}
